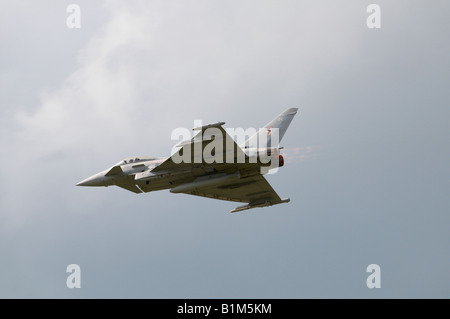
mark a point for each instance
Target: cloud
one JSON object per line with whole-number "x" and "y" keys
{"x": 150, "y": 67}
{"x": 93, "y": 101}
{"x": 155, "y": 66}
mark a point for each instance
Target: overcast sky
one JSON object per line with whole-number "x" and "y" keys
{"x": 367, "y": 156}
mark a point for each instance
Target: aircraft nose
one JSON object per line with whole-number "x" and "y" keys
{"x": 94, "y": 180}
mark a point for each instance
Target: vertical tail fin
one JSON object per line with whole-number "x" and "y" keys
{"x": 281, "y": 122}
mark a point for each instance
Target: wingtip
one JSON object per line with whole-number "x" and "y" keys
{"x": 292, "y": 110}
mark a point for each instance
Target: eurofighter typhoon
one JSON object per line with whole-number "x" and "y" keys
{"x": 210, "y": 164}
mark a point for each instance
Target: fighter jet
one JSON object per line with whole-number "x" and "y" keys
{"x": 210, "y": 164}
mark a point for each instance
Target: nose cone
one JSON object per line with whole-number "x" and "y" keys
{"x": 95, "y": 180}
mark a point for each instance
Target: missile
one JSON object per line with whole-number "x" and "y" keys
{"x": 259, "y": 204}
{"x": 204, "y": 181}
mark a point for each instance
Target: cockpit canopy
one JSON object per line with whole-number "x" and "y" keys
{"x": 133, "y": 160}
